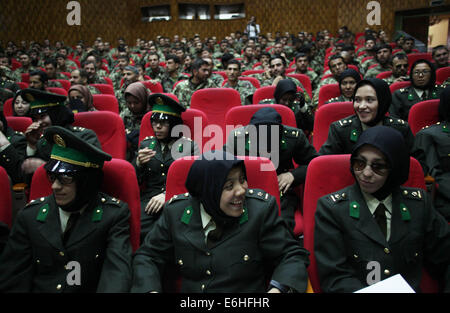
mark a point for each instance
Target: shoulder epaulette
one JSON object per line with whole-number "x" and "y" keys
{"x": 411, "y": 193}
{"x": 109, "y": 200}
{"x": 35, "y": 202}
{"x": 396, "y": 121}
{"x": 78, "y": 128}
{"x": 291, "y": 132}
{"x": 179, "y": 197}
{"x": 338, "y": 197}
{"x": 258, "y": 194}
{"x": 19, "y": 133}
{"x": 345, "y": 122}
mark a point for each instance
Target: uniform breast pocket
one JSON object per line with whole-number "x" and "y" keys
{"x": 245, "y": 261}
{"x": 359, "y": 254}
{"x": 185, "y": 261}
{"x": 444, "y": 156}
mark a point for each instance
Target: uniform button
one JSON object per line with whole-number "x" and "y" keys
{"x": 208, "y": 272}
{"x": 44, "y": 210}
{"x": 61, "y": 253}
{"x": 387, "y": 272}
{"x": 355, "y": 256}
{"x": 208, "y": 254}
{"x": 416, "y": 254}
{"x": 38, "y": 261}
{"x": 103, "y": 200}
{"x": 162, "y": 165}
{"x": 96, "y": 256}
{"x": 250, "y": 191}
{"x": 203, "y": 287}
{"x": 246, "y": 257}
{"x": 58, "y": 287}
{"x": 180, "y": 262}
{"x": 188, "y": 212}
{"x": 387, "y": 251}
{"x": 163, "y": 174}
{"x": 405, "y": 192}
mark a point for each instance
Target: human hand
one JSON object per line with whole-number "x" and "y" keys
{"x": 145, "y": 155}
{"x": 274, "y": 290}
{"x": 33, "y": 133}
{"x": 155, "y": 204}
{"x": 285, "y": 181}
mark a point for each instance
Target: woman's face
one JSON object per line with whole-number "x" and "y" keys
{"x": 134, "y": 105}
{"x": 233, "y": 193}
{"x": 44, "y": 119}
{"x": 421, "y": 74}
{"x": 348, "y": 85}
{"x": 366, "y": 104}
{"x": 161, "y": 129}
{"x": 370, "y": 169}
{"x": 75, "y": 94}
{"x": 21, "y": 107}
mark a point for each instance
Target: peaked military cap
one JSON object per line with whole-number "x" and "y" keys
{"x": 70, "y": 153}
{"x": 164, "y": 104}
{"x": 40, "y": 101}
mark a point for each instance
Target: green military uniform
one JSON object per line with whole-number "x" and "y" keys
{"x": 269, "y": 82}
{"x": 343, "y": 134}
{"x": 293, "y": 146}
{"x": 43, "y": 245}
{"x": 155, "y": 75}
{"x": 186, "y": 88}
{"x": 93, "y": 90}
{"x": 120, "y": 96}
{"x": 326, "y": 81}
{"x": 341, "y": 98}
{"x": 54, "y": 84}
{"x": 116, "y": 76}
{"x": 373, "y": 72}
{"x": 168, "y": 82}
{"x": 390, "y": 80}
{"x": 11, "y": 75}
{"x": 347, "y": 238}
{"x": 403, "y": 99}
{"x": 432, "y": 150}
{"x": 313, "y": 77}
{"x": 12, "y": 155}
{"x": 9, "y": 85}
{"x": 447, "y": 82}
{"x": 22, "y": 70}
{"x": 365, "y": 66}
{"x": 235, "y": 264}
{"x": 245, "y": 89}
{"x": 248, "y": 66}
{"x": 217, "y": 79}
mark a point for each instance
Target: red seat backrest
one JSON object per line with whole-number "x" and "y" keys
{"x": 241, "y": 116}
{"x": 384, "y": 74}
{"x": 5, "y": 198}
{"x": 19, "y": 123}
{"x": 64, "y": 82}
{"x": 328, "y": 92}
{"x": 354, "y": 67}
{"x": 215, "y": 103}
{"x": 67, "y": 74}
{"x": 25, "y": 77}
{"x": 413, "y": 57}
{"x": 104, "y": 88}
{"x": 424, "y": 113}
{"x": 442, "y": 74}
{"x": 108, "y": 80}
{"x": 330, "y": 173}
{"x": 59, "y": 91}
{"x": 261, "y": 174}
{"x": 250, "y": 72}
{"x": 222, "y": 73}
{"x": 263, "y": 93}
{"x": 109, "y": 128}
{"x": 119, "y": 181}
{"x": 22, "y": 85}
{"x": 305, "y": 80}
{"x": 153, "y": 87}
{"x": 103, "y": 102}
{"x": 325, "y": 116}
{"x": 399, "y": 85}
{"x": 253, "y": 80}
{"x": 8, "y": 109}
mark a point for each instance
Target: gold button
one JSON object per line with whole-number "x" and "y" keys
{"x": 416, "y": 254}
{"x": 250, "y": 191}
{"x": 103, "y": 200}
{"x": 355, "y": 256}
{"x": 246, "y": 257}
{"x": 208, "y": 272}
{"x": 186, "y": 194}
{"x": 98, "y": 211}
{"x": 44, "y": 210}
{"x": 208, "y": 254}
{"x": 355, "y": 206}
{"x": 387, "y": 272}
{"x": 163, "y": 174}
{"x": 38, "y": 261}
{"x": 405, "y": 192}
{"x": 162, "y": 165}
{"x": 59, "y": 287}
{"x": 188, "y": 212}
{"x": 61, "y": 253}
{"x": 387, "y": 251}
{"x": 96, "y": 256}
{"x": 42, "y": 199}
{"x": 203, "y": 287}
{"x": 180, "y": 262}
{"x": 404, "y": 209}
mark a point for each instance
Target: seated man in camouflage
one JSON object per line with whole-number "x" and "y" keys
{"x": 245, "y": 88}
{"x": 399, "y": 69}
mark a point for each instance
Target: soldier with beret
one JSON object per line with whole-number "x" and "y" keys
{"x": 371, "y": 102}
{"x": 423, "y": 87}
{"x": 290, "y": 145}
{"x": 48, "y": 109}
{"x": 77, "y": 228}
{"x": 157, "y": 153}
{"x": 432, "y": 150}
{"x": 378, "y": 220}
{"x": 221, "y": 236}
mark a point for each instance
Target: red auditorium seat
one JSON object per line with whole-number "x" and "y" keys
{"x": 325, "y": 116}
{"x": 251, "y": 72}
{"x": 252, "y": 80}
{"x": 103, "y": 102}
{"x": 328, "y": 92}
{"x": 59, "y": 91}
{"x": 399, "y": 85}
{"x": 442, "y": 74}
{"x": 263, "y": 93}
{"x": 424, "y": 113}
{"x": 119, "y": 181}
{"x": 64, "y": 82}
{"x": 104, "y": 88}
{"x": 153, "y": 87}
{"x": 215, "y": 103}
{"x": 22, "y": 85}
{"x": 5, "y": 198}
{"x": 383, "y": 75}
{"x": 319, "y": 183}
{"x": 25, "y": 77}
{"x": 8, "y": 109}
{"x": 305, "y": 80}
{"x": 413, "y": 57}
{"x": 19, "y": 123}
{"x": 109, "y": 128}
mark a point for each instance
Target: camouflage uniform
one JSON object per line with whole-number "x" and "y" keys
{"x": 217, "y": 79}
{"x": 248, "y": 66}
{"x": 373, "y": 72}
{"x": 245, "y": 89}
{"x": 155, "y": 75}
{"x": 186, "y": 88}
{"x": 12, "y": 75}
{"x": 313, "y": 77}
{"x": 326, "y": 81}
{"x": 168, "y": 82}
{"x": 21, "y": 71}
{"x": 269, "y": 82}
{"x": 116, "y": 77}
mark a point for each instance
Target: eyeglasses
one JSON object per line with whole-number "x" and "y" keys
{"x": 418, "y": 73}
{"x": 401, "y": 65}
{"x": 64, "y": 179}
{"x": 161, "y": 122}
{"x": 359, "y": 165}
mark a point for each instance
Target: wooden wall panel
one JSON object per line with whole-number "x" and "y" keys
{"x": 37, "y": 20}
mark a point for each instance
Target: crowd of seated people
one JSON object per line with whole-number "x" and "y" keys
{"x": 158, "y": 81}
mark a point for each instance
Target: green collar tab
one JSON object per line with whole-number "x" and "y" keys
{"x": 152, "y": 144}
{"x": 354, "y": 209}
{"x": 406, "y": 216}
{"x": 43, "y": 212}
{"x": 186, "y": 218}
{"x": 97, "y": 215}
{"x": 445, "y": 129}
{"x": 410, "y": 97}
{"x": 244, "y": 216}
{"x": 354, "y": 135}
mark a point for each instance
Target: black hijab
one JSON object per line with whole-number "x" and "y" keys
{"x": 432, "y": 80}
{"x": 206, "y": 179}
{"x": 349, "y": 73}
{"x": 384, "y": 97}
{"x": 444, "y": 105}
{"x": 270, "y": 118}
{"x": 390, "y": 142}
{"x": 284, "y": 86}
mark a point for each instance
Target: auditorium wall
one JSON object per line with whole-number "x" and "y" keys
{"x": 38, "y": 20}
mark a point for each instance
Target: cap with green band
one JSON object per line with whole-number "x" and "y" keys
{"x": 40, "y": 101}
{"x": 164, "y": 104}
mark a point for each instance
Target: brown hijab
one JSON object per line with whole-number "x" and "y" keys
{"x": 88, "y": 99}
{"x": 139, "y": 91}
